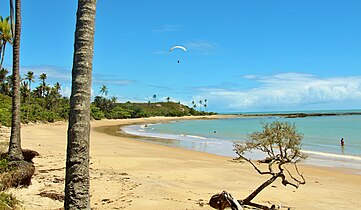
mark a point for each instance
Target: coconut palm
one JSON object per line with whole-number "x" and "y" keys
{"x": 113, "y": 99}
{"x": 3, "y": 73}
{"x": 24, "y": 91}
{"x": 30, "y": 77}
{"x": 194, "y": 104}
{"x": 42, "y": 78}
{"x": 77, "y": 159}
{"x": 168, "y": 98}
{"x": 5, "y": 36}
{"x": 200, "y": 105}
{"x": 15, "y": 151}
{"x": 104, "y": 90}
{"x": 155, "y": 98}
{"x": 55, "y": 90}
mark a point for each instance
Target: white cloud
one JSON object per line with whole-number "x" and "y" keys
{"x": 65, "y": 91}
{"x": 113, "y": 81}
{"x": 167, "y": 28}
{"x": 288, "y": 91}
{"x": 202, "y": 46}
{"x": 52, "y": 72}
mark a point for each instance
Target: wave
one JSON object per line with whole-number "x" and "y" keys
{"x": 140, "y": 131}
{"x": 332, "y": 155}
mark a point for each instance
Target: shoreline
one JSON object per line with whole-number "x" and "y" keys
{"x": 344, "y": 163}
{"x": 132, "y": 174}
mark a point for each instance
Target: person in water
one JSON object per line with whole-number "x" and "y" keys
{"x": 342, "y": 142}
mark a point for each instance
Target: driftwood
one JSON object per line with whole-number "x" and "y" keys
{"x": 224, "y": 200}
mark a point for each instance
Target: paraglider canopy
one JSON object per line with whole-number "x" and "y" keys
{"x": 178, "y": 47}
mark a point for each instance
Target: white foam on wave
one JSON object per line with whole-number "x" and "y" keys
{"x": 194, "y": 136}
{"x": 140, "y": 131}
{"x": 332, "y": 155}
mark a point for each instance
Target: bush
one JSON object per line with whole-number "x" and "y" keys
{"x": 118, "y": 113}
{"x": 96, "y": 113}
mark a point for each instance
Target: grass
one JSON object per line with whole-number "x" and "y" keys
{"x": 8, "y": 201}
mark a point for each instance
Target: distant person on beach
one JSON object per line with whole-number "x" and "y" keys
{"x": 342, "y": 142}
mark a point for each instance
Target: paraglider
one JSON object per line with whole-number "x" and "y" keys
{"x": 177, "y": 47}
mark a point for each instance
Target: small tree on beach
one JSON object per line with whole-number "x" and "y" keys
{"x": 281, "y": 144}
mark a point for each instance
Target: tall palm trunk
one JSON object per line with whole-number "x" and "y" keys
{"x": 2, "y": 53}
{"x": 15, "y": 152}
{"x": 27, "y": 113}
{"x": 77, "y": 160}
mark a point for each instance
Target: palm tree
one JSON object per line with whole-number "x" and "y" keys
{"x": 15, "y": 151}
{"x": 3, "y": 73}
{"x": 200, "y": 105}
{"x": 5, "y": 36}
{"x": 24, "y": 91}
{"x": 104, "y": 90}
{"x": 155, "y": 98}
{"x": 194, "y": 104}
{"x": 77, "y": 159}
{"x": 168, "y": 98}
{"x": 113, "y": 99}
{"x": 56, "y": 89}
{"x": 205, "y": 104}
{"x": 42, "y": 78}
{"x": 30, "y": 77}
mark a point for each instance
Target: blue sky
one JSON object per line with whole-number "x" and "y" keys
{"x": 277, "y": 55}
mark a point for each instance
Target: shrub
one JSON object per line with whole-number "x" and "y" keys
{"x": 96, "y": 113}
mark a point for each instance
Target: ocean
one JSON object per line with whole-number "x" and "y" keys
{"x": 321, "y": 141}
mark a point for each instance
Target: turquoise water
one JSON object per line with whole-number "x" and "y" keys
{"x": 321, "y": 136}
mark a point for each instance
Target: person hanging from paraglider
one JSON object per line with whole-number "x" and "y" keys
{"x": 177, "y": 47}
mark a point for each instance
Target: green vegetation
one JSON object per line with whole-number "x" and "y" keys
{"x": 44, "y": 103}
{"x": 108, "y": 108}
{"x": 8, "y": 201}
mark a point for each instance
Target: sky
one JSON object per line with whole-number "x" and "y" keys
{"x": 242, "y": 55}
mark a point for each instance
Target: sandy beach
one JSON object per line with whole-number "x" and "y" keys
{"x": 131, "y": 174}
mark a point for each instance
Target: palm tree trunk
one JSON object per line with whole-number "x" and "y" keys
{"x": 15, "y": 152}
{"x": 2, "y": 55}
{"x": 77, "y": 162}
{"x": 29, "y": 101}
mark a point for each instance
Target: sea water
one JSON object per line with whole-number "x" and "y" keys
{"x": 321, "y": 141}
